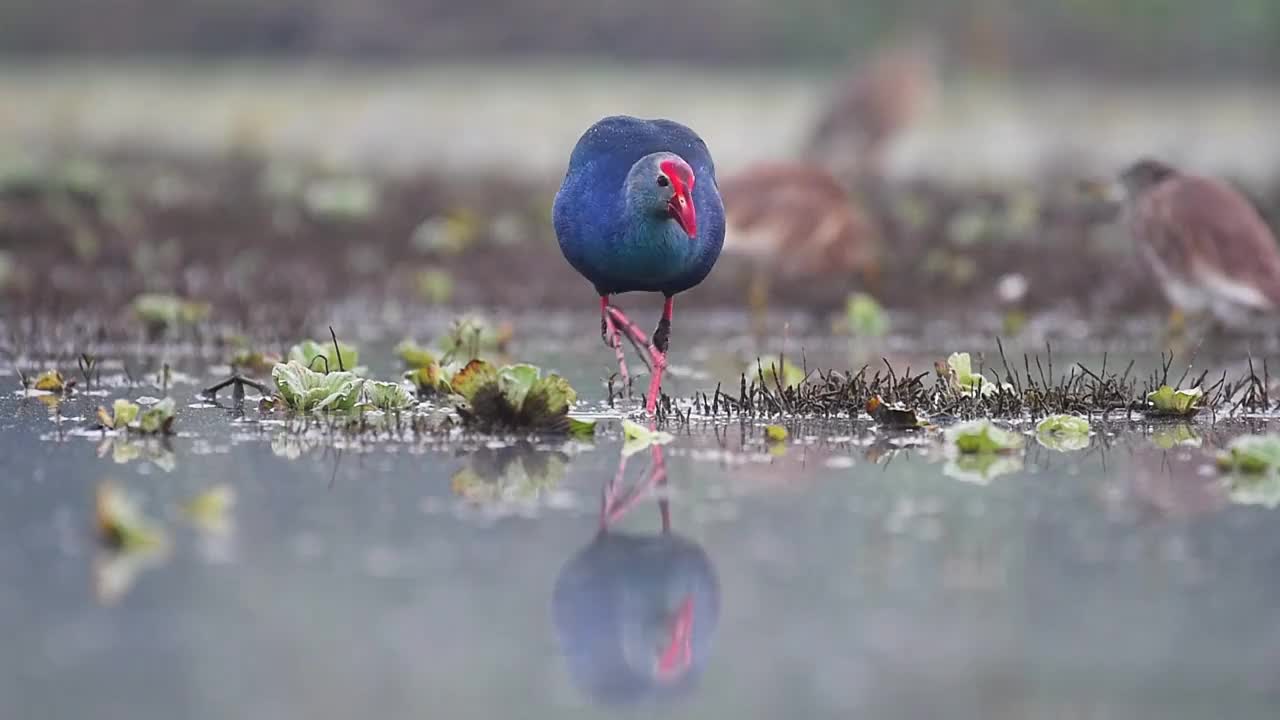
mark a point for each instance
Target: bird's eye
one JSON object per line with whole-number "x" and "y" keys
{"x": 663, "y": 181}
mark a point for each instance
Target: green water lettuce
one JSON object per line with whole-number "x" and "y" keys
{"x": 981, "y": 469}
{"x": 121, "y": 524}
{"x": 305, "y": 390}
{"x": 159, "y": 311}
{"x": 1064, "y": 433}
{"x": 211, "y": 510}
{"x": 413, "y": 355}
{"x": 1252, "y": 465}
{"x": 1251, "y": 454}
{"x": 515, "y": 474}
{"x": 157, "y": 419}
{"x": 323, "y": 356}
{"x": 963, "y": 380}
{"x": 637, "y": 437}
{"x": 865, "y": 317}
{"x": 1181, "y": 403}
{"x": 514, "y": 397}
{"x": 979, "y": 437}
{"x": 121, "y": 414}
{"x": 389, "y": 396}
{"x": 50, "y": 381}
{"x": 429, "y": 380}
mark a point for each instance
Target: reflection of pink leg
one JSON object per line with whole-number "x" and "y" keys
{"x": 660, "y": 481}
{"x": 609, "y": 498}
{"x": 613, "y": 339}
{"x": 613, "y": 507}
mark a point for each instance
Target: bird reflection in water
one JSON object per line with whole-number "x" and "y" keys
{"x": 635, "y": 613}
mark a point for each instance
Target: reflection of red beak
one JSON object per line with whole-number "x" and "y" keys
{"x": 678, "y": 655}
{"x": 681, "y": 208}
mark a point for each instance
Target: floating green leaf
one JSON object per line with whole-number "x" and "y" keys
{"x": 982, "y": 436}
{"x": 516, "y": 381}
{"x": 121, "y": 524}
{"x": 1168, "y": 437}
{"x": 448, "y": 234}
{"x": 982, "y": 468}
{"x": 638, "y": 437}
{"x": 550, "y": 396}
{"x": 967, "y": 382}
{"x": 1064, "y": 433}
{"x": 306, "y": 390}
{"x": 514, "y": 397}
{"x": 389, "y": 396}
{"x": 516, "y": 474}
{"x": 429, "y": 380}
{"x": 210, "y": 509}
{"x": 468, "y": 381}
{"x": 157, "y": 419}
{"x": 1251, "y": 454}
{"x": 471, "y": 336}
{"x": 435, "y": 285}
{"x": 414, "y": 356}
{"x": 1168, "y": 401}
{"x": 50, "y": 381}
{"x": 865, "y": 317}
{"x": 582, "y": 429}
{"x": 159, "y": 311}
{"x": 122, "y": 413}
{"x": 324, "y": 357}
{"x": 255, "y": 361}
{"x": 791, "y": 375}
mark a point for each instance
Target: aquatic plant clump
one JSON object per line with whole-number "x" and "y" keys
{"x": 1036, "y": 390}
{"x": 305, "y": 390}
{"x": 512, "y": 398}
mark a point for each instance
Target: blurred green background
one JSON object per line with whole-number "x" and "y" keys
{"x": 1163, "y": 37}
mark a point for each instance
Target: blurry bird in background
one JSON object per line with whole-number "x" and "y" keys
{"x": 798, "y": 221}
{"x": 871, "y": 107}
{"x": 1208, "y": 246}
{"x": 795, "y": 223}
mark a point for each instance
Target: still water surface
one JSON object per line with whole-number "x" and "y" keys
{"x": 842, "y": 575}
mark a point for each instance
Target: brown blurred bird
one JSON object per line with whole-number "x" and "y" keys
{"x": 794, "y": 222}
{"x": 871, "y": 107}
{"x": 1210, "y": 249}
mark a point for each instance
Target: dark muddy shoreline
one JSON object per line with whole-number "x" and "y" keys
{"x": 259, "y": 241}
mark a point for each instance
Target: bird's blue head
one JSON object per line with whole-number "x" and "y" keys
{"x": 660, "y": 186}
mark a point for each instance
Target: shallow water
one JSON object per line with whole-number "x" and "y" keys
{"x": 843, "y": 573}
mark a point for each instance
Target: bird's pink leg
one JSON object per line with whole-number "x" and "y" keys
{"x": 613, "y": 339}
{"x": 659, "y": 351}
{"x": 657, "y": 347}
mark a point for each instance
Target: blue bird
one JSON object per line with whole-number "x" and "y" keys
{"x": 639, "y": 211}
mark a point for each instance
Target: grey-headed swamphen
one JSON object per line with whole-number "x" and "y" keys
{"x": 639, "y": 211}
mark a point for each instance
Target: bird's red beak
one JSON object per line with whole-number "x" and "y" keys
{"x": 680, "y": 206}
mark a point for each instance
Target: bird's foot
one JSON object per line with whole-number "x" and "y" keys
{"x": 662, "y": 335}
